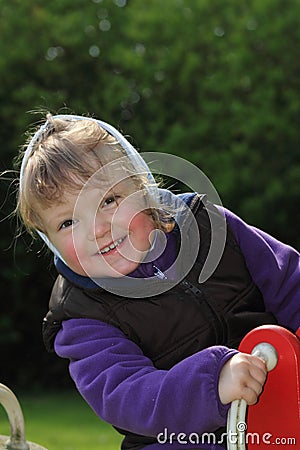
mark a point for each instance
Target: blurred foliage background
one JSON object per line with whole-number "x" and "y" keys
{"x": 214, "y": 82}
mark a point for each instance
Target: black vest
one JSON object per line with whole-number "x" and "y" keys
{"x": 171, "y": 326}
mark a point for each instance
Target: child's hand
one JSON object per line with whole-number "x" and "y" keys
{"x": 242, "y": 377}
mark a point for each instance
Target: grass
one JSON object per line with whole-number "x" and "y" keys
{"x": 62, "y": 421}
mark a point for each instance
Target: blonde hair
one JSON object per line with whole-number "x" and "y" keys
{"x": 63, "y": 157}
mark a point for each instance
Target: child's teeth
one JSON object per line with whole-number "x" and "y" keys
{"x": 112, "y": 246}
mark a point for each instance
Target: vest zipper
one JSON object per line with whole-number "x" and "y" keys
{"x": 158, "y": 273}
{"x": 191, "y": 287}
{"x": 219, "y": 331}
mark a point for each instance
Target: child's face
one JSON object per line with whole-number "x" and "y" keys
{"x": 100, "y": 234}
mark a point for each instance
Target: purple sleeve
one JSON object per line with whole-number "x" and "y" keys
{"x": 126, "y": 390}
{"x": 275, "y": 269}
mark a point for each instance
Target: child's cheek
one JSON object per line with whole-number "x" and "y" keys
{"x": 142, "y": 227}
{"x": 71, "y": 257}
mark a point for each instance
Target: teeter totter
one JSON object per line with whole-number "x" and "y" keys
{"x": 274, "y": 421}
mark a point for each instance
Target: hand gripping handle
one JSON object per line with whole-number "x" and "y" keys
{"x": 236, "y": 424}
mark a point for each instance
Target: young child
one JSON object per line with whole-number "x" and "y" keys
{"x": 151, "y": 347}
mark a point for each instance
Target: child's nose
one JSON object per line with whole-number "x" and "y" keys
{"x": 100, "y": 227}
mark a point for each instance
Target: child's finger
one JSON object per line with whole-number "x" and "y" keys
{"x": 256, "y": 380}
{"x": 259, "y": 362}
{"x": 255, "y": 385}
{"x": 258, "y": 373}
{"x": 250, "y": 395}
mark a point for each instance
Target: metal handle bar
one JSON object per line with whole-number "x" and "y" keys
{"x": 12, "y": 407}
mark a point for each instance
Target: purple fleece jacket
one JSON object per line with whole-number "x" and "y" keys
{"x": 125, "y": 389}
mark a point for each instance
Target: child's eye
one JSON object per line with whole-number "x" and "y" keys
{"x": 67, "y": 223}
{"x": 109, "y": 201}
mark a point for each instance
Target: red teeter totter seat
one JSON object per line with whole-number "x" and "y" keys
{"x": 274, "y": 421}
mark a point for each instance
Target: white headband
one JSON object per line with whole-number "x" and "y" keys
{"x": 135, "y": 157}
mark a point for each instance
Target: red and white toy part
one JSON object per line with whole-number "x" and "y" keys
{"x": 275, "y": 418}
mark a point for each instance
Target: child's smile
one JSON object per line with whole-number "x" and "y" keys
{"x": 100, "y": 235}
{"x": 111, "y": 247}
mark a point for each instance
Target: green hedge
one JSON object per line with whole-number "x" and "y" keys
{"x": 214, "y": 82}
